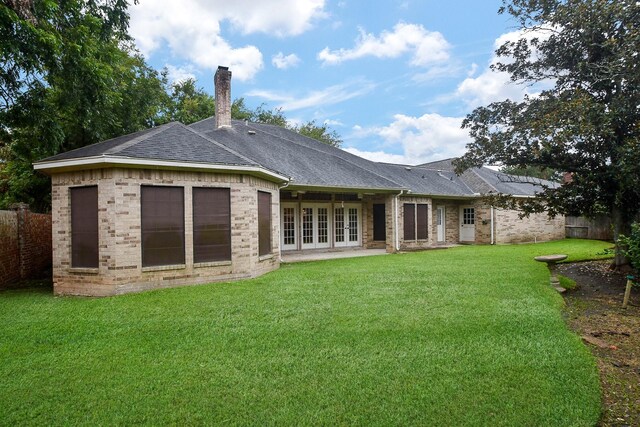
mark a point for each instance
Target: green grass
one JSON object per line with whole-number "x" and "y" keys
{"x": 465, "y": 336}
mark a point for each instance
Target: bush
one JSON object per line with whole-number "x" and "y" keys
{"x": 631, "y": 246}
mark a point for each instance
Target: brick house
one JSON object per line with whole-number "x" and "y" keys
{"x": 222, "y": 199}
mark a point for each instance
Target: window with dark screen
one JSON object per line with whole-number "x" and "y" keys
{"x": 162, "y": 214}
{"x": 421, "y": 221}
{"x": 416, "y": 221}
{"x": 264, "y": 223}
{"x": 409, "y": 221}
{"x": 211, "y": 224}
{"x": 84, "y": 227}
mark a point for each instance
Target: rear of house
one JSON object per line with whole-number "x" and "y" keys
{"x": 222, "y": 199}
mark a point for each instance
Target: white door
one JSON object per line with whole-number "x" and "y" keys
{"x": 289, "y": 226}
{"x": 440, "y": 220}
{"x": 347, "y": 225}
{"x": 467, "y": 224}
{"x": 315, "y": 225}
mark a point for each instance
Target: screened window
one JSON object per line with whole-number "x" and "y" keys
{"x": 415, "y": 221}
{"x": 211, "y": 224}
{"x": 421, "y": 221}
{"x": 264, "y": 223}
{"x": 162, "y": 213}
{"x": 409, "y": 221}
{"x": 84, "y": 227}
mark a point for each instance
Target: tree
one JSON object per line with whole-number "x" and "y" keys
{"x": 69, "y": 77}
{"x": 587, "y": 124}
{"x": 541, "y": 172}
{"x": 309, "y": 129}
{"x": 321, "y": 133}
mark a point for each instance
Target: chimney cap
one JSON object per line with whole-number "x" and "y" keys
{"x": 223, "y": 68}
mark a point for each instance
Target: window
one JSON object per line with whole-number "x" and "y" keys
{"x": 264, "y": 223}
{"x": 421, "y": 222}
{"x": 84, "y": 227}
{"x": 211, "y": 224}
{"x": 379, "y": 223}
{"x": 162, "y": 217}
{"x": 409, "y": 221}
{"x": 415, "y": 221}
{"x": 468, "y": 216}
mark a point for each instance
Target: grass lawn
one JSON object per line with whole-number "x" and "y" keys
{"x": 466, "y": 336}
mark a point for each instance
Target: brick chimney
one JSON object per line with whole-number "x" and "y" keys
{"x": 222, "y": 82}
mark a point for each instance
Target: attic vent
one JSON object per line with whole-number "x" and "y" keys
{"x": 408, "y": 168}
{"x": 251, "y": 132}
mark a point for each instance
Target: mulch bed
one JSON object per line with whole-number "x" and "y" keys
{"x": 594, "y": 310}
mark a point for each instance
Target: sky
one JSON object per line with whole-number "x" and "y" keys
{"x": 393, "y": 78}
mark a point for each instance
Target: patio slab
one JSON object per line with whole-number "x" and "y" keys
{"x": 321, "y": 254}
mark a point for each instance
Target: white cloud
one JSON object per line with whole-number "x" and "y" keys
{"x": 492, "y": 86}
{"x": 427, "y": 47}
{"x": 420, "y": 139}
{"x": 283, "y": 62}
{"x": 180, "y": 74}
{"x": 328, "y": 96}
{"x": 191, "y": 28}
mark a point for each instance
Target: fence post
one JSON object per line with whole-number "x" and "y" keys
{"x": 22, "y": 210}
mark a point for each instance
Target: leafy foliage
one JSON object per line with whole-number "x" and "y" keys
{"x": 587, "y": 124}
{"x": 532, "y": 171}
{"x": 70, "y": 76}
{"x": 631, "y": 246}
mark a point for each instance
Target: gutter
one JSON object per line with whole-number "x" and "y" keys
{"x": 395, "y": 228}
{"x": 111, "y": 161}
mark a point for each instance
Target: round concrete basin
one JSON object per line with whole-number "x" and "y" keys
{"x": 551, "y": 260}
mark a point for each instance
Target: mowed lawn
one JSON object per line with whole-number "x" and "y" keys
{"x": 472, "y": 335}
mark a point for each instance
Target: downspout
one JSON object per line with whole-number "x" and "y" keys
{"x": 395, "y": 228}
{"x": 492, "y": 237}
{"x": 286, "y": 184}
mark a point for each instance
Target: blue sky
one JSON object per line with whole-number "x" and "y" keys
{"x": 393, "y": 78}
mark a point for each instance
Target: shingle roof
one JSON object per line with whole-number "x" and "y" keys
{"x": 426, "y": 181}
{"x": 307, "y": 162}
{"x": 484, "y": 180}
{"x": 172, "y": 141}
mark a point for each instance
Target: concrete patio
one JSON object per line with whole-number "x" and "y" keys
{"x": 321, "y": 254}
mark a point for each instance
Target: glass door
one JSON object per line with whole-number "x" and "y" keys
{"x": 347, "y": 225}
{"x": 315, "y": 226}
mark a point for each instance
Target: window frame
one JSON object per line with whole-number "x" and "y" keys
{"x": 85, "y": 255}
{"x": 180, "y": 257}
{"x": 265, "y": 244}
{"x": 416, "y": 224}
{"x": 203, "y": 230}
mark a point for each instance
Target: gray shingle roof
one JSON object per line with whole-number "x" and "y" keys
{"x": 307, "y": 162}
{"x": 172, "y": 142}
{"x": 484, "y": 180}
{"x": 423, "y": 181}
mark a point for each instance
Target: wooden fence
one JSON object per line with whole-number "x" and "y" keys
{"x": 598, "y": 228}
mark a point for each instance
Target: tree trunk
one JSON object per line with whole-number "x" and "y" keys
{"x": 620, "y": 227}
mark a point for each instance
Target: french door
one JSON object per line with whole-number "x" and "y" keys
{"x": 347, "y": 225}
{"x": 320, "y": 225}
{"x": 315, "y": 226}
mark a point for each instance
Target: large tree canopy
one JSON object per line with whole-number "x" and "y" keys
{"x": 587, "y": 124}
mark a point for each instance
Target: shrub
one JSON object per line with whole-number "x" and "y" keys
{"x": 631, "y": 246}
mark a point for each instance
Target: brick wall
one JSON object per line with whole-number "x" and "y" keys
{"x": 120, "y": 258}
{"x": 415, "y": 244}
{"x": 25, "y": 245}
{"x": 510, "y": 228}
